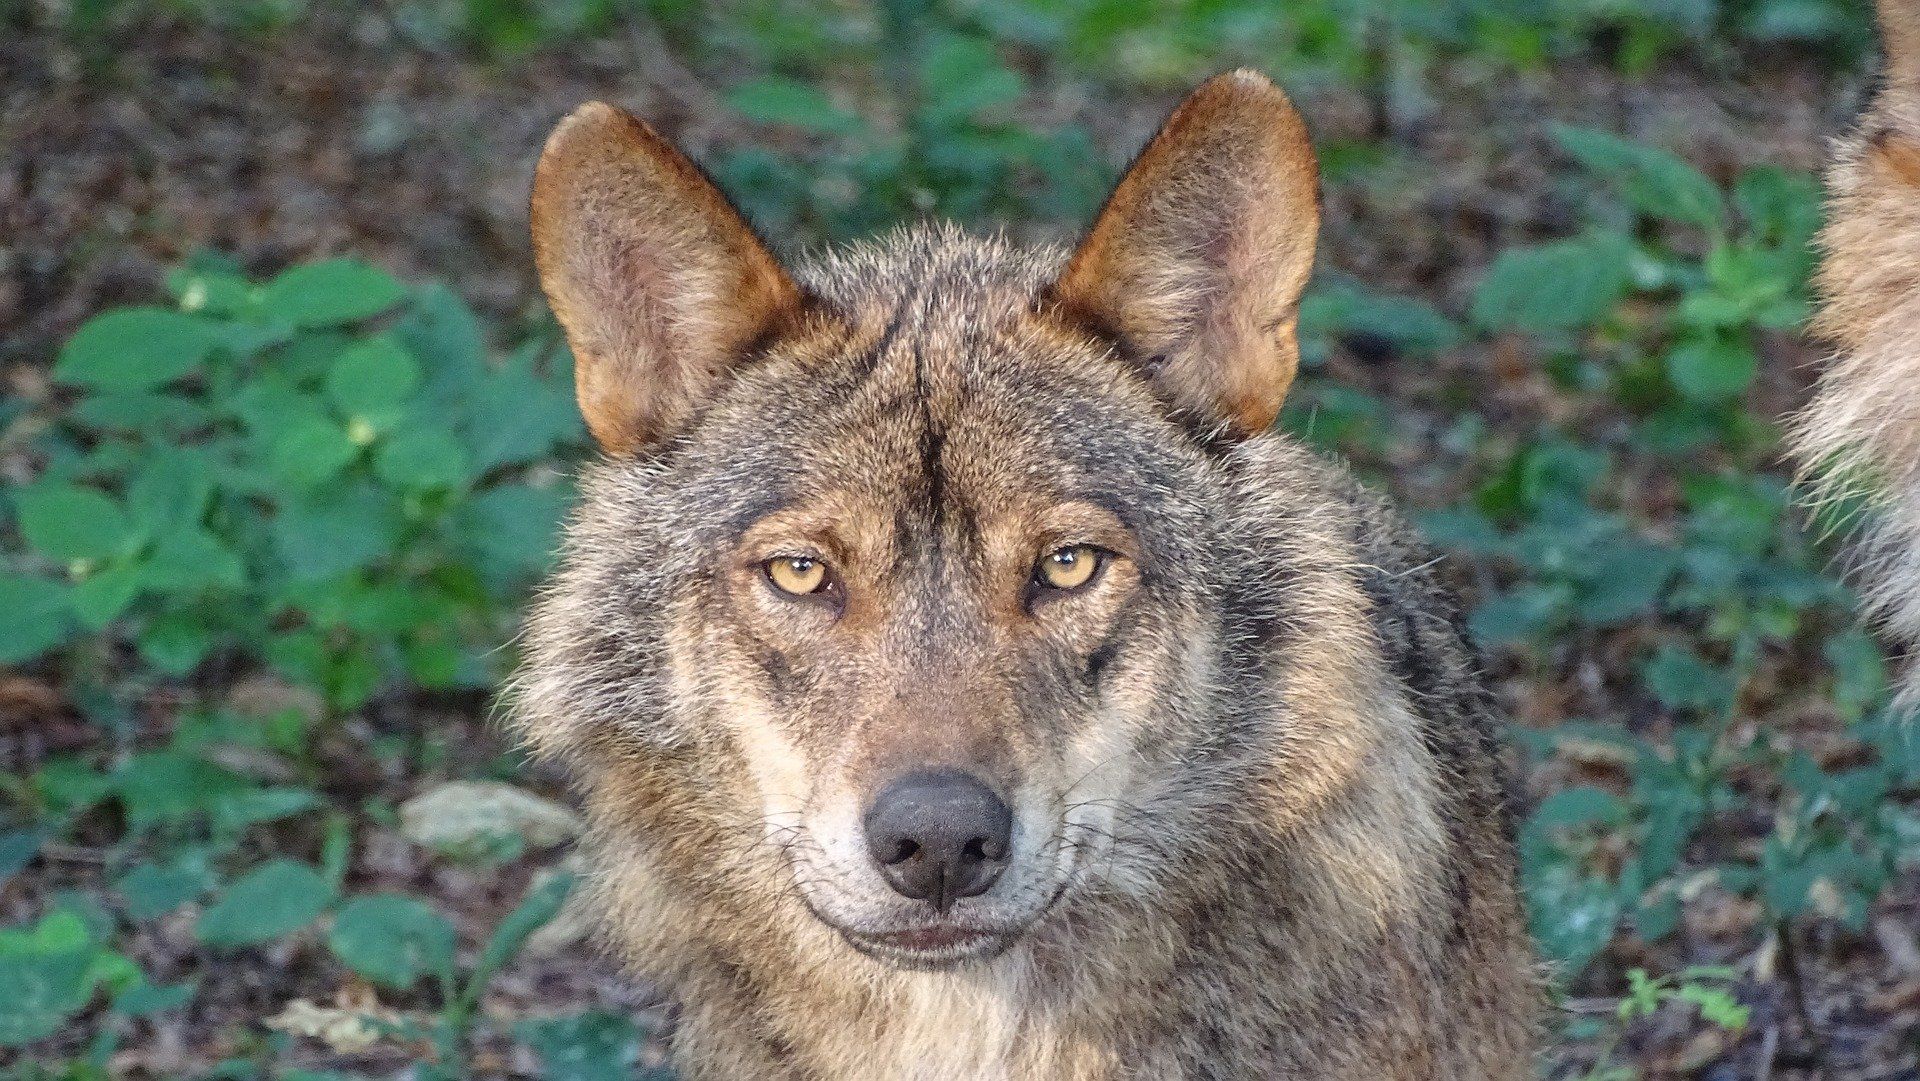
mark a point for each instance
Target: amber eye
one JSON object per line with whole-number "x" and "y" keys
{"x": 797, "y": 575}
{"x": 1068, "y": 568}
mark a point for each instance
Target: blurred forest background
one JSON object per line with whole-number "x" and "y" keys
{"x": 286, "y": 429}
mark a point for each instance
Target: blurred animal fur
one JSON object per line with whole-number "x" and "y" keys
{"x": 1861, "y": 434}
{"x": 1259, "y": 822}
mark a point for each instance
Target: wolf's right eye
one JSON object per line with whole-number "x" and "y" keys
{"x": 797, "y": 575}
{"x": 1067, "y": 569}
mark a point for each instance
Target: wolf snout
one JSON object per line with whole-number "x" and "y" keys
{"x": 939, "y": 835}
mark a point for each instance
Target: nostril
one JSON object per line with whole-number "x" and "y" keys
{"x": 982, "y": 850}
{"x": 902, "y": 852}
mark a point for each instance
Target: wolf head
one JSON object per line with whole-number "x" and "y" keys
{"x": 909, "y": 577}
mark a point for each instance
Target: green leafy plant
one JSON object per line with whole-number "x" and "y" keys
{"x": 1663, "y": 305}
{"x": 943, "y": 140}
{"x": 396, "y": 941}
{"x": 1705, "y": 988}
{"x": 55, "y": 969}
{"x": 322, "y": 473}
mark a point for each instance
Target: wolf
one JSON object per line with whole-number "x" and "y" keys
{"x": 1860, "y": 436}
{"x": 963, "y": 679}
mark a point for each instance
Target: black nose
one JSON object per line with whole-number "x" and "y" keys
{"x": 939, "y": 836}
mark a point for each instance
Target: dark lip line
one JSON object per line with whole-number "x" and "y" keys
{"x": 957, "y": 932}
{"x": 982, "y": 947}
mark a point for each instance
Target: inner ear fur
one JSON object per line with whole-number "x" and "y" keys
{"x": 1199, "y": 258}
{"x": 658, "y": 282}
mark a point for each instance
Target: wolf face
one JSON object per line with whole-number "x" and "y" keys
{"x": 911, "y": 581}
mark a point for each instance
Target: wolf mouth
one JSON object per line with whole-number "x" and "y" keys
{"x": 933, "y": 947}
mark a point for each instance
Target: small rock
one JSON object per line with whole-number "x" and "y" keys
{"x": 348, "y": 1031}
{"x": 475, "y": 816}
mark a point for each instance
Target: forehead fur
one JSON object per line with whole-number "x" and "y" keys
{"x": 931, "y": 376}
{"x": 989, "y": 276}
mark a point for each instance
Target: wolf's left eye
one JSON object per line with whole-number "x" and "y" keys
{"x": 797, "y": 575}
{"x": 1068, "y": 568}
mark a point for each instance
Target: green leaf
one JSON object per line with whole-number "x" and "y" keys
{"x": 67, "y": 787}
{"x": 1555, "y": 287}
{"x": 541, "y": 904}
{"x": 1713, "y": 370}
{"x": 68, "y": 522}
{"x": 253, "y": 806}
{"x": 515, "y": 417}
{"x": 1680, "y": 679}
{"x": 171, "y": 489}
{"x": 323, "y": 537}
{"x": 145, "y": 999}
{"x": 392, "y": 940}
{"x": 276, "y": 898}
{"x": 135, "y": 349}
{"x": 311, "y": 450}
{"x": 17, "y": 849}
{"x": 1343, "y": 307}
{"x": 775, "y": 99}
{"x": 214, "y": 292}
{"x": 1624, "y": 581}
{"x": 373, "y": 380}
{"x": 1527, "y": 612}
{"x": 59, "y": 931}
{"x": 440, "y": 331}
{"x": 38, "y": 616}
{"x": 1580, "y": 805}
{"x": 329, "y": 293}
{"x": 170, "y": 786}
{"x": 101, "y": 598}
{"x": 593, "y": 1046}
{"x": 155, "y": 889}
{"x": 1716, "y": 1005}
{"x": 963, "y": 76}
{"x": 190, "y": 559}
{"x": 175, "y": 643}
{"x": 39, "y": 992}
{"x": 513, "y": 527}
{"x": 1572, "y": 914}
{"x": 141, "y": 411}
{"x": 1659, "y": 183}
{"x": 1782, "y": 207}
{"x": 422, "y": 458}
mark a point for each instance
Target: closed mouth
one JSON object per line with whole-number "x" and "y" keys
{"x": 938, "y": 946}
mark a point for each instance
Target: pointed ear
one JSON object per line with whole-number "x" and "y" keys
{"x": 1198, "y": 261}
{"x": 658, "y": 282}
